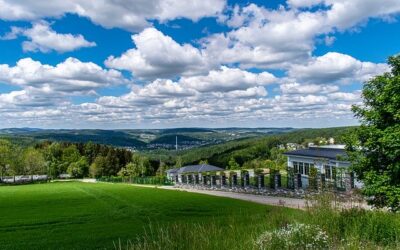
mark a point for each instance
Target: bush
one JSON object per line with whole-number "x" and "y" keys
{"x": 294, "y": 236}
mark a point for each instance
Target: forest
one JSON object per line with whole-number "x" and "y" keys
{"x": 76, "y": 159}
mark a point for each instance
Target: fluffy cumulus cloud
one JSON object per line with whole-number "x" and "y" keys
{"x": 159, "y": 56}
{"x": 335, "y": 67}
{"x": 297, "y": 88}
{"x": 69, "y": 77}
{"x": 41, "y": 37}
{"x": 289, "y": 34}
{"x": 227, "y": 79}
{"x": 132, "y": 15}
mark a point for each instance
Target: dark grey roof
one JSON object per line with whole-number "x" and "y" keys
{"x": 199, "y": 168}
{"x": 316, "y": 152}
{"x": 172, "y": 170}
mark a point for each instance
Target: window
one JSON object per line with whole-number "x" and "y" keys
{"x": 328, "y": 171}
{"x": 306, "y": 168}
{"x": 296, "y": 167}
{"x": 301, "y": 169}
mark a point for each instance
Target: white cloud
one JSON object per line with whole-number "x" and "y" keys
{"x": 70, "y": 76}
{"x": 227, "y": 79}
{"x": 297, "y": 88}
{"x": 132, "y": 15}
{"x": 12, "y": 34}
{"x": 159, "y": 56}
{"x": 346, "y": 96}
{"x": 250, "y": 92}
{"x": 303, "y": 3}
{"x": 277, "y": 38}
{"x": 43, "y": 38}
{"x": 335, "y": 67}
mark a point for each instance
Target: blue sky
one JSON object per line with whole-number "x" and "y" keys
{"x": 211, "y": 63}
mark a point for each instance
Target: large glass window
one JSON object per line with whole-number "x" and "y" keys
{"x": 302, "y": 167}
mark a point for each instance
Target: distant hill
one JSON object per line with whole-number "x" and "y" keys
{"x": 185, "y": 130}
{"x": 141, "y": 139}
{"x": 244, "y": 149}
{"x": 171, "y": 139}
{"x": 108, "y": 137}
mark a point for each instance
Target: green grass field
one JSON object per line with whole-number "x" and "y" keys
{"x": 74, "y": 215}
{"x": 91, "y": 216}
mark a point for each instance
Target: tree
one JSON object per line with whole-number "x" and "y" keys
{"x": 53, "y": 155}
{"x": 98, "y": 167}
{"x": 141, "y": 166}
{"x": 233, "y": 164}
{"x": 34, "y": 162}
{"x": 78, "y": 169}
{"x": 201, "y": 162}
{"x": 178, "y": 162}
{"x": 5, "y": 151}
{"x": 70, "y": 154}
{"x": 276, "y": 155}
{"x": 374, "y": 147}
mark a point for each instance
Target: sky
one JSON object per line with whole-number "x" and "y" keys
{"x": 115, "y": 64}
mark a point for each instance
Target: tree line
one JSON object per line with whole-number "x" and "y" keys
{"x": 76, "y": 159}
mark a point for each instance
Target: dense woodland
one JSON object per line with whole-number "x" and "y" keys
{"x": 76, "y": 159}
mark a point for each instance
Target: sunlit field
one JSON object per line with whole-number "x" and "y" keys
{"x": 74, "y": 215}
{"x": 91, "y": 216}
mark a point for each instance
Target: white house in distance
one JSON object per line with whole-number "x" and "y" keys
{"x": 330, "y": 162}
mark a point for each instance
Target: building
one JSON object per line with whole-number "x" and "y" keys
{"x": 180, "y": 175}
{"x": 331, "y": 165}
{"x": 172, "y": 174}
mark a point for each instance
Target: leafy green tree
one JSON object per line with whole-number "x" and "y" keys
{"x": 233, "y": 164}
{"x": 5, "y": 153}
{"x": 203, "y": 162}
{"x": 161, "y": 169}
{"x": 179, "y": 162}
{"x": 70, "y": 154}
{"x": 278, "y": 158}
{"x": 34, "y": 162}
{"x": 112, "y": 163}
{"x": 53, "y": 156}
{"x": 141, "y": 166}
{"x": 78, "y": 169}
{"x": 90, "y": 151}
{"x": 98, "y": 166}
{"x": 374, "y": 148}
{"x": 16, "y": 161}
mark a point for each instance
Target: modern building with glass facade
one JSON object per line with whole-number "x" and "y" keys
{"x": 322, "y": 164}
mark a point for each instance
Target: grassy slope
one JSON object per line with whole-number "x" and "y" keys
{"x": 92, "y": 216}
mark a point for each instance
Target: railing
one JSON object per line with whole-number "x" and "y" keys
{"x": 148, "y": 180}
{"x": 22, "y": 179}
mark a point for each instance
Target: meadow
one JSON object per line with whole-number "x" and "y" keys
{"x": 92, "y": 216}
{"x": 74, "y": 215}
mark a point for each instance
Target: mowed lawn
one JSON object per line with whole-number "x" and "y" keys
{"x": 74, "y": 215}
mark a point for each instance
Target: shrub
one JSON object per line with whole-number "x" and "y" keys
{"x": 294, "y": 236}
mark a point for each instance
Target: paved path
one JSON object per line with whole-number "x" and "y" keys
{"x": 262, "y": 199}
